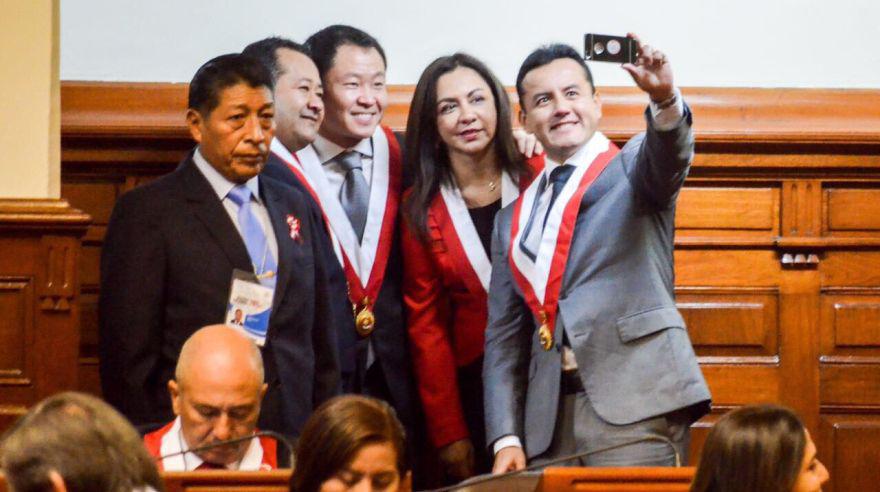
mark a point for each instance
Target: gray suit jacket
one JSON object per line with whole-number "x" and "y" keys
{"x": 616, "y": 305}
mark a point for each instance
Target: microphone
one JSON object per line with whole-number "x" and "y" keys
{"x": 481, "y": 479}
{"x": 275, "y": 435}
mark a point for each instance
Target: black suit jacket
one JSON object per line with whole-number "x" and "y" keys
{"x": 389, "y": 339}
{"x": 166, "y": 269}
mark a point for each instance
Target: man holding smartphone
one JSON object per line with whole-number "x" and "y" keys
{"x": 585, "y": 349}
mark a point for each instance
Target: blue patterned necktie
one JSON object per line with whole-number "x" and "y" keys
{"x": 253, "y": 236}
{"x": 531, "y": 237}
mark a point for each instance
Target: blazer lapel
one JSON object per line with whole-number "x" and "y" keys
{"x": 278, "y": 218}
{"x": 210, "y": 211}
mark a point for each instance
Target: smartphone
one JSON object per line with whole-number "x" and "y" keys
{"x": 614, "y": 49}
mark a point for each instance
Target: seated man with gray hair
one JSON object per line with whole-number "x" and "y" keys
{"x": 216, "y": 394}
{"x": 72, "y": 442}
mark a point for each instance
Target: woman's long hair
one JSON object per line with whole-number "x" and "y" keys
{"x": 426, "y": 155}
{"x": 335, "y": 433}
{"x": 756, "y": 448}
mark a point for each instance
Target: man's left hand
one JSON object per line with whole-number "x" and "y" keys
{"x": 651, "y": 72}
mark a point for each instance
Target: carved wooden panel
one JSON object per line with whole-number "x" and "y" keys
{"x": 727, "y": 267}
{"x": 852, "y": 210}
{"x": 850, "y": 326}
{"x": 801, "y": 215}
{"x": 728, "y": 210}
{"x": 847, "y": 445}
{"x": 16, "y": 331}
{"x": 731, "y": 323}
{"x": 850, "y": 385}
{"x": 850, "y": 269}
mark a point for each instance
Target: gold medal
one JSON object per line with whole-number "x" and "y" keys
{"x": 544, "y": 334}
{"x": 365, "y": 321}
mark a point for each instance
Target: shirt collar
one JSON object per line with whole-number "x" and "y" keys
{"x": 252, "y": 459}
{"x": 327, "y": 150}
{"x": 582, "y": 157}
{"x": 218, "y": 182}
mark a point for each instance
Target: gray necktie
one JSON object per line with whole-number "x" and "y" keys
{"x": 531, "y": 238}
{"x": 355, "y": 193}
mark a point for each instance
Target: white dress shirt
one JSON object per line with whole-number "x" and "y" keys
{"x": 327, "y": 150}
{"x": 174, "y": 442}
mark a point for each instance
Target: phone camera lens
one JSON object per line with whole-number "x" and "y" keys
{"x": 614, "y": 47}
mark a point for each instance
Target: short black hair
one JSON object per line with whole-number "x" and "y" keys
{"x": 544, "y": 55}
{"x": 222, "y": 72}
{"x": 324, "y": 44}
{"x": 266, "y": 50}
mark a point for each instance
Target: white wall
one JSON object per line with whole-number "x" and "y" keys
{"x": 745, "y": 43}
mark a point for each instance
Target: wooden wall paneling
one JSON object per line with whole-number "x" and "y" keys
{"x": 39, "y": 326}
{"x": 777, "y": 241}
{"x": 847, "y": 446}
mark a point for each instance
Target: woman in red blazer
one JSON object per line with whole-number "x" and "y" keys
{"x": 465, "y": 165}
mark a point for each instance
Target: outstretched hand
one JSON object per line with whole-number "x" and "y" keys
{"x": 651, "y": 72}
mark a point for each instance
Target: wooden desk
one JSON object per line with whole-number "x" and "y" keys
{"x": 554, "y": 479}
{"x": 617, "y": 479}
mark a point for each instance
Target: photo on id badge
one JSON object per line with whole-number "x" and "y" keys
{"x": 250, "y": 305}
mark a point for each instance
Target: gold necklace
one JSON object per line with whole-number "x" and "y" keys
{"x": 492, "y": 185}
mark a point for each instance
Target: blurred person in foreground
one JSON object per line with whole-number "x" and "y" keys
{"x": 759, "y": 448}
{"x": 216, "y": 394}
{"x": 351, "y": 442}
{"x": 76, "y": 443}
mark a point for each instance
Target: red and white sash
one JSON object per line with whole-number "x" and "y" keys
{"x": 364, "y": 263}
{"x": 464, "y": 227}
{"x": 541, "y": 280}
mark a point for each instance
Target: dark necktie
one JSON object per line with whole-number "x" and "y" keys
{"x": 355, "y": 193}
{"x": 209, "y": 466}
{"x": 531, "y": 237}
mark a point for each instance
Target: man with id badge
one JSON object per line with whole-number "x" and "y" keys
{"x": 214, "y": 242}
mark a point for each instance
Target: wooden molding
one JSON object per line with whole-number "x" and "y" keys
{"x": 42, "y": 214}
{"x": 818, "y": 117}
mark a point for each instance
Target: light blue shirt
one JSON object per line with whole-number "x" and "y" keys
{"x": 223, "y": 186}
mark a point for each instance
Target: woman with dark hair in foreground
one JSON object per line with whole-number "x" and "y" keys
{"x": 351, "y": 442}
{"x": 759, "y": 448}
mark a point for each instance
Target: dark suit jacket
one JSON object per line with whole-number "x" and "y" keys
{"x": 389, "y": 338}
{"x": 616, "y": 305}
{"x": 166, "y": 270}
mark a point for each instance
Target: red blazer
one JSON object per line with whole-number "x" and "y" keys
{"x": 447, "y": 311}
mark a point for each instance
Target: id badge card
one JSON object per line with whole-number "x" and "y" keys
{"x": 250, "y": 306}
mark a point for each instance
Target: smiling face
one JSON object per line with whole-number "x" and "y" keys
{"x": 299, "y": 108}
{"x": 354, "y": 95}
{"x": 466, "y": 114}
{"x": 560, "y": 108}
{"x": 234, "y": 138}
{"x": 374, "y": 468}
